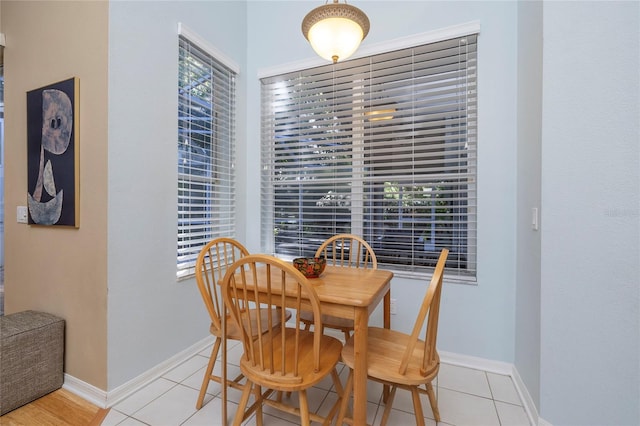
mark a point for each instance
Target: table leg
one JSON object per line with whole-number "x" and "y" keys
{"x": 387, "y": 310}
{"x": 361, "y": 335}
{"x": 387, "y": 325}
{"x": 224, "y": 370}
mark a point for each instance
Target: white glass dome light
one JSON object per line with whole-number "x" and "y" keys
{"x": 335, "y": 30}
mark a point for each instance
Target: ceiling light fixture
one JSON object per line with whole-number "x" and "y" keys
{"x": 335, "y": 30}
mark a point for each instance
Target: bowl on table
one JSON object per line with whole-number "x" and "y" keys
{"x": 311, "y": 267}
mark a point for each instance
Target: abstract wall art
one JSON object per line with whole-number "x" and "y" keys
{"x": 53, "y": 154}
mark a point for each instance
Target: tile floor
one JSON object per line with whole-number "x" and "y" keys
{"x": 465, "y": 397}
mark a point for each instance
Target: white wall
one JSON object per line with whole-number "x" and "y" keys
{"x": 151, "y": 317}
{"x": 527, "y": 330}
{"x": 590, "y": 214}
{"x": 587, "y": 306}
{"x": 475, "y": 320}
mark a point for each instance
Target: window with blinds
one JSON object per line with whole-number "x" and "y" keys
{"x": 383, "y": 147}
{"x": 206, "y": 123}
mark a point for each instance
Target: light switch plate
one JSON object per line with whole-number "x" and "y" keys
{"x": 22, "y": 214}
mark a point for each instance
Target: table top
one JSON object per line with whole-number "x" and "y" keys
{"x": 351, "y": 286}
{"x": 355, "y": 287}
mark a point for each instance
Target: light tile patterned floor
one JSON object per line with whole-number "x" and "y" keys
{"x": 465, "y": 397}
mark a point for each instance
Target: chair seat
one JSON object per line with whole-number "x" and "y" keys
{"x": 329, "y": 321}
{"x": 329, "y": 357}
{"x": 384, "y": 354}
{"x": 234, "y": 331}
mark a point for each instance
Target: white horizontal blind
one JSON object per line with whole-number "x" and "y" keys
{"x": 206, "y": 135}
{"x": 383, "y": 147}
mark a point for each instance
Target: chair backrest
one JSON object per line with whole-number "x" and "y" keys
{"x": 274, "y": 353}
{"x": 431, "y": 306}
{"x": 213, "y": 261}
{"x": 348, "y": 250}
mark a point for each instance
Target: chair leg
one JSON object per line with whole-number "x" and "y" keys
{"x": 340, "y": 391}
{"x": 242, "y": 405}
{"x": 347, "y": 335}
{"x": 304, "y": 408}
{"x": 433, "y": 401}
{"x": 385, "y": 393}
{"x": 337, "y": 383}
{"x": 258, "y": 393}
{"x": 417, "y": 406}
{"x": 207, "y": 374}
{"x": 387, "y": 407}
{"x": 346, "y": 394}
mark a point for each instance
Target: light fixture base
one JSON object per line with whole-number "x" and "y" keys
{"x": 335, "y": 30}
{"x": 336, "y": 10}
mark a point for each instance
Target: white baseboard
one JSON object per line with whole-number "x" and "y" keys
{"x": 525, "y": 397}
{"x": 85, "y": 391}
{"x": 497, "y": 367}
{"x": 108, "y": 399}
{"x": 543, "y": 422}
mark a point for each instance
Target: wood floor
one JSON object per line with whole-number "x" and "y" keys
{"x": 59, "y": 408}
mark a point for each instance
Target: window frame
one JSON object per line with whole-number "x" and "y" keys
{"x": 357, "y": 222}
{"x": 206, "y": 143}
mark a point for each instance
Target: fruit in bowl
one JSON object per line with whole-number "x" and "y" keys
{"x": 311, "y": 267}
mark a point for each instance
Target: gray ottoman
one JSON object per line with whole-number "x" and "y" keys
{"x": 31, "y": 357}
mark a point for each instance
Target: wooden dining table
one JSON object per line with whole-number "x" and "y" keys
{"x": 351, "y": 293}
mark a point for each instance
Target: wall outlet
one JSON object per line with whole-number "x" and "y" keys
{"x": 22, "y": 214}
{"x": 393, "y": 307}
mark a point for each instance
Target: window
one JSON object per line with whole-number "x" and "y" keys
{"x": 383, "y": 147}
{"x": 206, "y": 134}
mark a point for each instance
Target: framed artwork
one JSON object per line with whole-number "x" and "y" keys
{"x": 53, "y": 154}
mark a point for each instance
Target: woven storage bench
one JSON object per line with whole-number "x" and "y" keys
{"x": 31, "y": 357}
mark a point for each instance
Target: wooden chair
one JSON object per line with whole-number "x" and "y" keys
{"x": 346, "y": 250}
{"x": 401, "y": 360}
{"x": 211, "y": 265}
{"x": 286, "y": 358}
